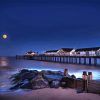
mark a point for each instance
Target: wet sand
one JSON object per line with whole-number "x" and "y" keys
{"x": 49, "y": 94}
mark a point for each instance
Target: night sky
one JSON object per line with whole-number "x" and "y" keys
{"x": 41, "y": 25}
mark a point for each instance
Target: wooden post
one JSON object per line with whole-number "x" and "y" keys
{"x": 90, "y": 77}
{"x": 45, "y": 58}
{"x": 85, "y": 84}
{"x": 76, "y": 60}
{"x": 89, "y": 61}
{"x": 60, "y": 58}
{"x": 56, "y": 58}
{"x": 79, "y": 60}
{"x": 65, "y": 72}
{"x": 72, "y": 60}
{"x": 84, "y": 60}
{"x": 95, "y": 61}
{"x": 49, "y": 58}
{"x": 67, "y": 59}
{"x": 52, "y": 59}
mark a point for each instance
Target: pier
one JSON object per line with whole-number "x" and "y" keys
{"x": 85, "y": 60}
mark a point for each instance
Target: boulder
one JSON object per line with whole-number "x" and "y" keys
{"x": 26, "y": 85}
{"x": 54, "y": 84}
{"x": 73, "y": 76}
{"x": 52, "y": 72}
{"x": 17, "y": 86}
{"x": 33, "y": 79}
{"x": 24, "y": 71}
{"x": 63, "y": 82}
{"x": 68, "y": 82}
{"x": 38, "y": 82}
{"x": 23, "y": 76}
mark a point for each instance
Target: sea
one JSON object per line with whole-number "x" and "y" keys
{"x": 11, "y": 65}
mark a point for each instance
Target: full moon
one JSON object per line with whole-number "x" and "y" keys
{"x": 4, "y": 36}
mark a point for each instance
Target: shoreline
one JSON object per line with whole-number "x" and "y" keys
{"x": 48, "y": 94}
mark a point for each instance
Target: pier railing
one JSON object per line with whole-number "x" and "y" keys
{"x": 86, "y": 60}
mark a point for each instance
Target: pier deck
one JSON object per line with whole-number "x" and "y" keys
{"x": 86, "y": 60}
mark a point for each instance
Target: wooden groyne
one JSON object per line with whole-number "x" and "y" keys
{"x": 86, "y": 60}
{"x": 92, "y": 86}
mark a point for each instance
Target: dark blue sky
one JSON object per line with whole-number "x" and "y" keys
{"x": 41, "y": 25}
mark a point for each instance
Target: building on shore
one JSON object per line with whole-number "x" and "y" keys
{"x": 66, "y": 52}
{"x": 51, "y": 52}
{"x": 95, "y": 51}
{"x": 61, "y": 52}
{"x": 31, "y": 53}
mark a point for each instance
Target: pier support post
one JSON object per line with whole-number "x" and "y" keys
{"x": 84, "y": 60}
{"x": 67, "y": 60}
{"x": 62, "y": 59}
{"x": 72, "y": 59}
{"x": 75, "y": 60}
{"x": 95, "y": 61}
{"x": 55, "y": 58}
{"x": 79, "y": 60}
{"x": 89, "y": 61}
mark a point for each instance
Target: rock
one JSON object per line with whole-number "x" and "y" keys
{"x": 63, "y": 82}
{"x": 39, "y": 83}
{"x": 33, "y": 79}
{"x": 28, "y": 75}
{"x": 17, "y": 86}
{"x": 54, "y": 84}
{"x": 34, "y": 71}
{"x": 51, "y": 72}
{"x": 26, "y": 85}
{"x": 24, "y": 71}
{"x": 58, "y": 73}
{"x": 23, "y": 76}
{"x": 73, "y": 76}
{"x": 68, "y": 82}
{"x": 13, "y": 76}
{"x": 51, "y": 77}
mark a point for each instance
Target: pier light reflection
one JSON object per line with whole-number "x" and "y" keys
{"x": 3, "y": 62}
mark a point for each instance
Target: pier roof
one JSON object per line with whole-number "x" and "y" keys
{"x": 67, "y": 49}
{"x": 88, "y": 49}
{"x": 51, "y": 51}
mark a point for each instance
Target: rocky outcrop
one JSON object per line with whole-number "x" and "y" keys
{"x": 33, "y": 79}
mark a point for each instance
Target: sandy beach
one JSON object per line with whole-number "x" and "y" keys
{"x": 48, "y": 94}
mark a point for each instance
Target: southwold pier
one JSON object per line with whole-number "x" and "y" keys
{"x": 86, "y": 60}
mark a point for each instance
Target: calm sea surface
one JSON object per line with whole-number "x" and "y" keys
{"x": 9, "y": 66}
